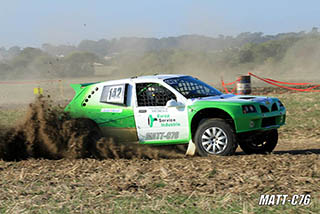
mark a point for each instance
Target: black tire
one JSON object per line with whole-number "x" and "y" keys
{"x": 262, "y": 144}
{"x": 215, "y": 144}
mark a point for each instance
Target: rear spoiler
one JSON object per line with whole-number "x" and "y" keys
{"x": 78, "y": 87}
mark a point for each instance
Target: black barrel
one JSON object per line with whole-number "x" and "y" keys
{"x": 244, "y": 85}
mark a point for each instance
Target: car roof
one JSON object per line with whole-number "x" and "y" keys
{"x": 143, "y": 78}
{"x": 157, "y": 76}
{"x": 146, "y": 78}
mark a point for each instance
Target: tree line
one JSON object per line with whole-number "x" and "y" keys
{"x": 183, "y": 54}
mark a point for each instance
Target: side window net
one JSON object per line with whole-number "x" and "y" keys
{"x": 153, "y": 94}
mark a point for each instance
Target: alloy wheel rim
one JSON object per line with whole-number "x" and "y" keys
{"x": 214, "y": 140}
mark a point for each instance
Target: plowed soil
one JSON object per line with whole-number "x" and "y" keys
{"x": 241, "y": 175}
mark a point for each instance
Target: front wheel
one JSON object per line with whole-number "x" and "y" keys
{"x": 215, "y": 137}
{"x": 261, "y": 144}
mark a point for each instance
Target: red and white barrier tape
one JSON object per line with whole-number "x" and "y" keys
{"x": 275, "y": 83}
{"x": 231, "y": 83}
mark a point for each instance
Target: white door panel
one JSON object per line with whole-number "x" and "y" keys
{"x": 161, "y": 123}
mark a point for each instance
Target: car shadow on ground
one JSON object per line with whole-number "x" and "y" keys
{"x": 291, "y": 152}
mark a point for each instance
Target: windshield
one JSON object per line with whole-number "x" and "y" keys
{"x": 191, "y": 87}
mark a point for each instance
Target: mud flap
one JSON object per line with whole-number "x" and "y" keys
{"x": 191, "y": 148}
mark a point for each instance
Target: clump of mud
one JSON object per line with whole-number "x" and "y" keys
{"x": 48, "y": 132}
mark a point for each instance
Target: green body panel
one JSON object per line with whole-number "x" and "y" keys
{"x": 241, "y": 120}
{"x": 165, "y": 142}
{"x": 125, "y": 119}
{"x": 93, "y": 109}
{"x": 233, "y": 109}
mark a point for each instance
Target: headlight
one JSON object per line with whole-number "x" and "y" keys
{"x": 248, "y": 109}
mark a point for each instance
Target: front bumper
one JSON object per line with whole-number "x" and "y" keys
{"x": 260, "y": 121}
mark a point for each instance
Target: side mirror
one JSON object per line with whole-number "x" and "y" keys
{"x": 174, "y": 103}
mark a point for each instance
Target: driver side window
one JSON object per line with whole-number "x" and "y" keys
{"x": 153, "y": 94}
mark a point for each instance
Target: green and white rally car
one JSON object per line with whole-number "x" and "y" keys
{"x": 179, "y": 109}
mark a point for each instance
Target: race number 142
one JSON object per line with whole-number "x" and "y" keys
{"x": 116, "y": 94}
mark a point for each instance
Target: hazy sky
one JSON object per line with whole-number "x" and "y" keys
{"x": 34, "y": 22}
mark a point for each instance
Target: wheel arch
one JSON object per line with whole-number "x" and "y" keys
{"x": 207, "y": 113}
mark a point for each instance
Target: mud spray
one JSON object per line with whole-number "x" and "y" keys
{"x": 48, "y": 132}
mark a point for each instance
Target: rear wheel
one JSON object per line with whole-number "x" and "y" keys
{"x": 215, "y": 137}
{"x": 260, "y": 144}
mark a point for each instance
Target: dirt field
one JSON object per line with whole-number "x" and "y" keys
{"x": 130, "y": 179}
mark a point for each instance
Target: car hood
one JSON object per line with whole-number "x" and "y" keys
{"x": 242, "y": 99}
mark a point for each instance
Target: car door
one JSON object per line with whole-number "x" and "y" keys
{"x": 115, "y": 114}
{"x": 155, "y": 122}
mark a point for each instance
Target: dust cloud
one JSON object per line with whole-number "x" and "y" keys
{"x": 299, "y": 64}
{"x": 48, "y": 132}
